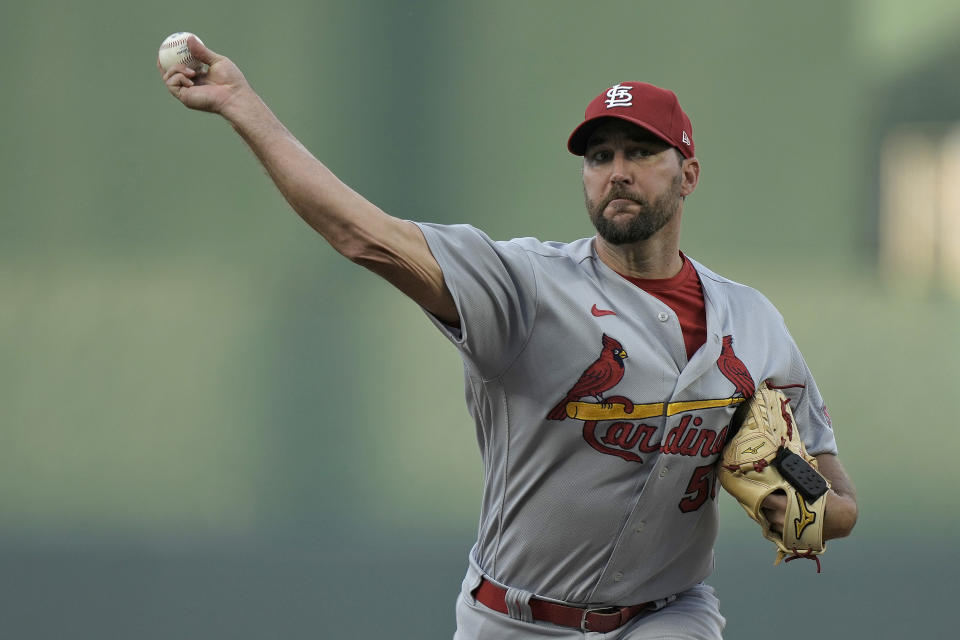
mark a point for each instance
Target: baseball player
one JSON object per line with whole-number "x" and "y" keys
{"x": 602, "y": 374}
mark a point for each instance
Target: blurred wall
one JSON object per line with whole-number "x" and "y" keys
{"x": 212, "y": 424}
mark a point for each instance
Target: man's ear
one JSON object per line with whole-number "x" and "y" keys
{"x": 690, "y": 170}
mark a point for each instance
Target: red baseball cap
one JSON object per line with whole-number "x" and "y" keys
{"x": 656, "y": 110}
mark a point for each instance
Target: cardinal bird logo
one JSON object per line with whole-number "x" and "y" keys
{"x": 734, "y": 370}
{"x": 601, "y": 376}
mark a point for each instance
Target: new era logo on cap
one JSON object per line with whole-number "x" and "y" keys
{"x": 645, "y": 105}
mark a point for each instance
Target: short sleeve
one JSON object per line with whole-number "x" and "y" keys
{"x": 809, "y": 408}
{"x": 494, "y": 287}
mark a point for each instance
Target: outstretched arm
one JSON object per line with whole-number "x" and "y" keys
{"x": 393, "y": 248}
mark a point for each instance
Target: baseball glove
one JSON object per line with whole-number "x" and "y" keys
{"x": 764, "y": 454}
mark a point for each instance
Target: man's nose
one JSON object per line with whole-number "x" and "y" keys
{"x": 618, "y": 170}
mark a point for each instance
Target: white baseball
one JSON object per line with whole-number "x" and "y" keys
{"x": 174, "y": 50}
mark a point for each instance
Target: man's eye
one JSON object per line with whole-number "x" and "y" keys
{"x": 641, "y": 153}
{"x": 600, "y": 156}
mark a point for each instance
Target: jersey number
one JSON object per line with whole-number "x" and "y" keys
{"x": 702, "y": 485}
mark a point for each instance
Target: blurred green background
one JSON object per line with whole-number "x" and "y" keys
{"x": 211, "y": 425}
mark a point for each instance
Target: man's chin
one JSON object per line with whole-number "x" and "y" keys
{"x": 622, "y": 219}
{"x": 621, "y": 234}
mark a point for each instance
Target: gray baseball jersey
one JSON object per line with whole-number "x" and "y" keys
{"x": 598, "y": 437}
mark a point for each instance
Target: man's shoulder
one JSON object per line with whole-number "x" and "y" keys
{"x": 736, "y": 293}
{"x": 458, "y": 242}
{"x": 576, "y": 250}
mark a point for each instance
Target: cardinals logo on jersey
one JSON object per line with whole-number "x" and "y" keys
{"x": 601, "y": 376}
{"x": 734, "y": 370}
{"x": 694, "y": 428}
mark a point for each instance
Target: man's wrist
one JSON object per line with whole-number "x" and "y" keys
{"x": 242, "y": 108}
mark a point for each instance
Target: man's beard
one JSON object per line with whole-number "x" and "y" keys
{"x": 651, "y": 218}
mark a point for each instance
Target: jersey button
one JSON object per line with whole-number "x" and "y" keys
{"x": 663, "y": 316}
{"x": 618, "y": 576}
{"x": 663, "y": 472}
{"x": 639, "y": 527}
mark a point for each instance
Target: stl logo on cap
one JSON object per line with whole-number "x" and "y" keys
{"x": 619, "y": 96}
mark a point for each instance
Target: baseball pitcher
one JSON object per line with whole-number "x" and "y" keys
{"x": 604, "y": 376}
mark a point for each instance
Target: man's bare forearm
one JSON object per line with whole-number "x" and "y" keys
{"x": 841, "y": 511}
{"x": 392, "y": 248}
{"x": 328, "y": 205}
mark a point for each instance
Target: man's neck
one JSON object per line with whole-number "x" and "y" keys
{"x": 656, "y": 258}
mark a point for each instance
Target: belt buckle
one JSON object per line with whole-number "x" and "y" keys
{"x": 588, "y": 611}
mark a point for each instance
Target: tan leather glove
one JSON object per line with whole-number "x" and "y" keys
{"x": 764, "y": 455}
